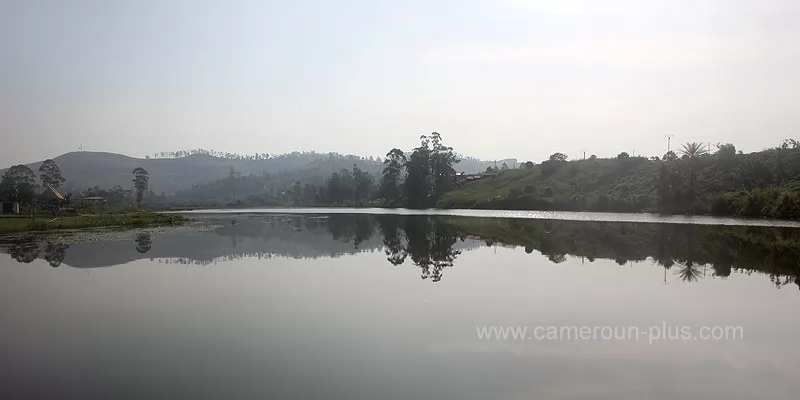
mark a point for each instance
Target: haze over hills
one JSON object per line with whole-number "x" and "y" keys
{"x": 85, "y": 169}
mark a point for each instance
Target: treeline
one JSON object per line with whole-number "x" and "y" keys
{"x": 416, "y": 180}
{"x": 691, "y": 181}
{"x": 243, "y": 157}
{"x": 212, "y": 152}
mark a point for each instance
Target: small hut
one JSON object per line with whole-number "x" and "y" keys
{"x": 52, "y": 199}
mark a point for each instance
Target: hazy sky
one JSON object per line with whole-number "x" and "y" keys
{"x": 503, "y": 78}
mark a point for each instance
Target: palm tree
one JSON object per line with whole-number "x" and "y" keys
{"x": 692, "y": 150}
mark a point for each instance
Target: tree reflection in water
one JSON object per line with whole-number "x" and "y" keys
{"x": 144, "y": 242}
{"x": 428, "y": 242}
{"x": 54, "y": 253}
{"x": 24, "y": 251}
{"x": 433, "y": 243}
{"x": 430, "y": 245}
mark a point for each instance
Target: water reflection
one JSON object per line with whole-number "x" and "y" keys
{"x": 54, "y": 253}
{"x": 433, "y": 244}
{"x": 24, "y": 252}
{"x": 143, "y": 242}
{"x": 429, "y": 242}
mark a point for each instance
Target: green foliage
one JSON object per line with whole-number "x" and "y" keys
{"x": 770, "y": 202}
{"x": 623, "y": 155}
{"x": 18, "y": 184}
{"x": 50, "y": 174}
{"x": 430, "y": 172}
{"x": 391, "y": 187}
{"x": 670, "y": 156}
{"x": 114, "y": 196}
{"x": 726, "y": 151}
{"x": 693, "y": 150}
{"x": 417, "y": 183}
{"x": 558, "y": 157}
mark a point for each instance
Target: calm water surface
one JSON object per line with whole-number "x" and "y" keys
{"x": 523, "y": 214}
{"x": 386, "y": 306}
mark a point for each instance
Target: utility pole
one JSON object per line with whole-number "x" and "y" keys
{"x": 669, "y": 137}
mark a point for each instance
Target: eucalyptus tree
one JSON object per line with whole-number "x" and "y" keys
{"x": 50, "y": 174}
{"x": 391, "y": 186}
{"x": 141, "y": 180}
{"x": 18, "y": 184}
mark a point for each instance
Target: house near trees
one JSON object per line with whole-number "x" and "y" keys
{"x": 52, "y": 199}
{"x": 9, "y": 207}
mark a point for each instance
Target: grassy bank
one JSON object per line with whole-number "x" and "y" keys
{"x": 18, "y": 224}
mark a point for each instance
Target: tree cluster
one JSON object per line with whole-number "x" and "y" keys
{"x": 420, "y": 179}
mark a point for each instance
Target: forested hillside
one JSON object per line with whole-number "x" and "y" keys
{"x": 765, "y": 183}
{"x": 86, "y": 169}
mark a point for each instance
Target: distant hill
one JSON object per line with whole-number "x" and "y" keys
{"x": 87, "y": 169}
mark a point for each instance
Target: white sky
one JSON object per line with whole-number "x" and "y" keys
{"x": 506, "y": 78}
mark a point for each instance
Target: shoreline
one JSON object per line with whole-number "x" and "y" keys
{"x": 588, "y": 216}
{"x": 10, "y": 225}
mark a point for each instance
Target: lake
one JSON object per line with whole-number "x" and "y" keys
{"x": 325, "y": 303}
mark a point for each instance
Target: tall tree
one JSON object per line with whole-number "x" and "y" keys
{"x": 50, "y": 174}
{"x": 418, "y": 168}
{"x": 558, "y": 157}
{"x": 430, "y": 172}
{"x": 362, "y": 184}
{"x": 390, "y": 190}
{"x": 141, "y": 180}
{"x": 726, "y": 151}
{"x": 18, "y": 184}
{"x": 442, "y": 171}
{"x": 693, "y": 151}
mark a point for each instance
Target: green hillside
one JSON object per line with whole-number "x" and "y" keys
{"x": 762, "y": 184}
